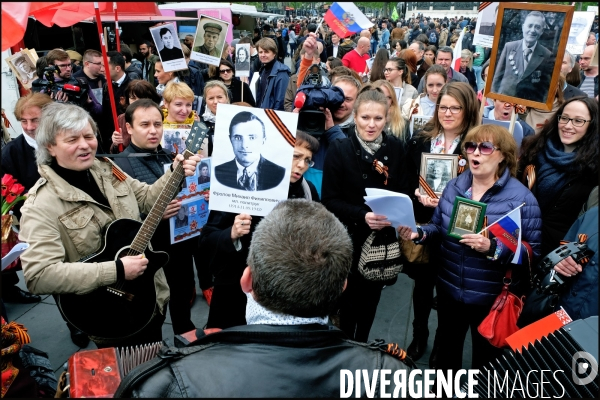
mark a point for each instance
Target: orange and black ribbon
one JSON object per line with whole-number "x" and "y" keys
{"x": 485, "y": 233}
{"x": 428, "y": 190}
{"x": 6, "y": 121}
{"x": 382, "y": 169}
{"x": 285, "y": 132}
{"x": 461, "y": 168}
{"x": 483, "y": 5}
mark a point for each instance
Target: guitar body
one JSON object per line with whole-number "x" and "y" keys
{"x": 124, "y": 308}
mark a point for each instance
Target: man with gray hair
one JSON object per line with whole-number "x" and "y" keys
{"x": 569, "y": 91}
{"x": 298, "y": 264}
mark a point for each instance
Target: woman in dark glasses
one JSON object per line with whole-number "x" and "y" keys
{"x": 564, "y": 158}
{"x": 472, "y": 269}
{"x": 226, "y": 73}
{"x": 455, "y": 111}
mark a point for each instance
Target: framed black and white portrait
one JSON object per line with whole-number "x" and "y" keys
{"x": 528, "y": 52}
{"x": 437, "y": 170}
{"x": 168, "y": 47}
{"x": 467, "y": 217}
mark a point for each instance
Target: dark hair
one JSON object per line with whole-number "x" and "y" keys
{"x": 587, "y": 149}
{"x": 446, "y": 49}
{"x": 56, "y": 55}
{"x": 573, "y": 78}
{"x": 401, "y": 65}
{"x": 381, "y": 59}
{"x": 202, "y": 165}
{"x": 141, "y": 103}
{"x": 403, "y": 44}
{"x": 163, "y": 31}
{"x": 244, "y": 50}
{"x": 431, "y": 25}
{"x": 334, "y": 62}
{"x": 301, "y": 277}
{"x": 142, "y": 89}
{"x": 246, "y": 39}
{"x": 423, "y": 39}
{"x": 305, "y": 140}
{"x": 243, "y": 117}
{"x": 116, "y": 59}
{"x": 40, "y": 65}
{"x": 147, "y": 43}
{"x": 420, "y": 44}
{"x": 126, "y": 52}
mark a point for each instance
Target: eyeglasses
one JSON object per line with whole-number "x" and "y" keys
{"x": 307, "y": 161}
{"x": 225, "y": 71}
{"x": 63, "y": 65}
{"x": 453, "y": 109}
{"x": 98, "y": 63}
{"x": 388, "y": 70}
{"x": 485, "y": 148}
{"x": 578, "y": 122}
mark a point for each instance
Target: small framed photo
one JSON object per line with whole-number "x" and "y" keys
{"x": 467, "y": 217}
{"x": 209, "y": 40}
{"x": 22, "y": 64}
{"x": 528, "y": 52}
{"x": 417, "y": 122}
{"x": 437, "y": 170}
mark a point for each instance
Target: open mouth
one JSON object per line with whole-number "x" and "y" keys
{"x": 475, "y": 163}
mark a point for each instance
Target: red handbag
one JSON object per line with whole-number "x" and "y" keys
{"x": 501, "y": 322}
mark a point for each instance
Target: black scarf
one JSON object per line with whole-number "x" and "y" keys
{"x": 82, "y": 180}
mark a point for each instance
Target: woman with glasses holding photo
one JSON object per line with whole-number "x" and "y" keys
{"x": 472, "y": 269}
{"x": 455, "y": 111}
{"x": 564, "y": 158}
{"x": 226, "y": 73}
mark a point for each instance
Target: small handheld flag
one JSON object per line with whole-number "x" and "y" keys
{"x": 507, "y": 230}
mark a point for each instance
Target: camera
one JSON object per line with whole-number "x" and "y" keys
{"x": 316, "y": 91}
{"x": 76, "y": 91}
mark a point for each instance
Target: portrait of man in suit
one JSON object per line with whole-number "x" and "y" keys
{"x": 249, "y": 170}
{"x": 524, "y": 68}
{"x": 170, "y": 51}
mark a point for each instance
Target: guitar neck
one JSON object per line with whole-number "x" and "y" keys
{"x": 140, "y": 243}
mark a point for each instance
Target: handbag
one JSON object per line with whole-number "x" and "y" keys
{"x": 501, "y": 322}
{"x": 414, "y": 253}
{"x": 380, "y": 256}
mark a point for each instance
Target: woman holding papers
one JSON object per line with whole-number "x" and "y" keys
{"x": 565, "y": 159}
{"x": 442, "y": 135}
{"x": 473, "y": 268}
{"x": 369, "y": 158}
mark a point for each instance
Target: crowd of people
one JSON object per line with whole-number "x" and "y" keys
{"x": 252, "y": 270}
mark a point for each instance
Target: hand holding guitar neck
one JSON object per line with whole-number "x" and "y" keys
{"x": 134, "y": 266}
{"x": 189, "y": 165}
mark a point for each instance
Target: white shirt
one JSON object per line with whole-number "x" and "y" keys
{"x": 250, "y": 170}
{"x": 257, "y": 314}
{"x": 335, "y": 49}
{"x": 30, "y": 141}
{"x": 120, "y": 81}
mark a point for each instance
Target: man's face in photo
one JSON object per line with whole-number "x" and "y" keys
{"x": 23, "y": 66}
{"x": 210, "y": 40}
{"x": 167, "y": 39}
{"x": 247, "y": 140}
{"x": 242, "y": 56}
{"x": 533, "y": 27}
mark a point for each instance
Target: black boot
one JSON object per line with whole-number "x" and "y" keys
{"x": 79, "y": 338}
{"x": 417, "y": 347}
{"x": 433, "y": 358}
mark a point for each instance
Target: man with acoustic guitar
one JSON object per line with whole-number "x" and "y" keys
{"x": 66, "y": 213}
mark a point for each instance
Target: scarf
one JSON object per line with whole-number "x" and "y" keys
{"x": 555, "y": 166}
{"x": 370, "y": 147}
{"x": 208, "y": 116}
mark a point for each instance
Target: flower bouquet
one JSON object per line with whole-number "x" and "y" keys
{"x": 12, "y": 193}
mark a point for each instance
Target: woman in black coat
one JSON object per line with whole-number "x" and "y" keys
{"x": 565, "y": 160}
{"x": 227, "y": 76}
{"x": 348, "y": 170}
{"x": 226, "y": 239}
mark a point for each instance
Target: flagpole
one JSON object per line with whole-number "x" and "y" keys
{"x": 499, "y": 219}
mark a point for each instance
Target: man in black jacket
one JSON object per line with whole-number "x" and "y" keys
{"x": 291, "y": 285}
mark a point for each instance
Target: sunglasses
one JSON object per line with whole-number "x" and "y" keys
{"x": 225, "y": 71}
{"x": 485, "y": 148}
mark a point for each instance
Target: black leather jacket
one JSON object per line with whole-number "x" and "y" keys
{"x": 267, "y": 361}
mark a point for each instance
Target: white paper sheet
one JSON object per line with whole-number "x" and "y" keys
{"x": 397, "y": 207}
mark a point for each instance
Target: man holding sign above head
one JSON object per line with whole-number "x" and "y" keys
{"x": 211, "y": 37}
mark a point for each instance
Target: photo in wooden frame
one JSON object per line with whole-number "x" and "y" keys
{"x": 438, "y": 170}
{"x": 467, "y": 217}
{"x": 22, "y": 65}
{"x": 527, "y": 56}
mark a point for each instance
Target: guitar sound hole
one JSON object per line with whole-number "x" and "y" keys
{"x": 126, "y": 251}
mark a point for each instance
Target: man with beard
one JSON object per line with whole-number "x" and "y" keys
{"x": 148, "y": 61}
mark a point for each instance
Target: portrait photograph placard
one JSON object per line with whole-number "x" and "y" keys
{"x": 190, "y": 219}
{"x": 527, "y": 54}
{"x": 242, "y": 59}
{"x": 174, "y": 137}
{"x": 196, "y": 185}
{"x": 467, "y": 217}
{"x": 168, "y": 47}
{"x": 22, "y": 65}
{"x": 251, "y": 159}
{"x": 417, "y": 122}
{"x": 580, "y": 31}
{"x": 437, "y": 170}
{"x": 486, "y": 25}
{"x": 209, "y": 40}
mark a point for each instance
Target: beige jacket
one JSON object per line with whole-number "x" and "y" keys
{"x": 62, "y": 224}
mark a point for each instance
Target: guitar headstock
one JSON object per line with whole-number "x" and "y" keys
{"x": 197, "y": 135}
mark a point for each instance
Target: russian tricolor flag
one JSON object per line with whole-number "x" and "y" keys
{"x": 508, "y": 230}
{"x": 346, "y": 19}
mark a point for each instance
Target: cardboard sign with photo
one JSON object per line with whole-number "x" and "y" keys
{"x": 23, "y": 66}
{"x": 486, "y": 25}
{"x": 168, "y": 47}
{"x": 209, "y": 40}
{"x": 197, "y": 184}
{"x": 417, "y": 122}
{"x": 242, "y": 59}
{"x": 190, "y": 219}
{"x": 580, "y": 31}
{"x": 174, "y": 137}
{"x": 527, "y": 55}
{"x": 251, "y": 159}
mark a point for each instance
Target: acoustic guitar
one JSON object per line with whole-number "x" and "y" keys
{"x": 124, "y": 308}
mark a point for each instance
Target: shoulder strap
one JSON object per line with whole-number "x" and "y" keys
{"x": 306, "y": 188}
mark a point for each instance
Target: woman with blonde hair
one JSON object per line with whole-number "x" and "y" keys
{"x": 215, "y": 93}
{"x": 396, "y": 125}
{"x": 466, "y": 68}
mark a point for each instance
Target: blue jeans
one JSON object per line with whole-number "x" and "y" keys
{"x": 480, "y": 81}
{"x": 373, "y": 48}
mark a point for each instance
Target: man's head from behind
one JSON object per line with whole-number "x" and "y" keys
{"x": 363, "y": 45}
{"x": 299, "y": 259}
{"x": 247, "y": 136}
